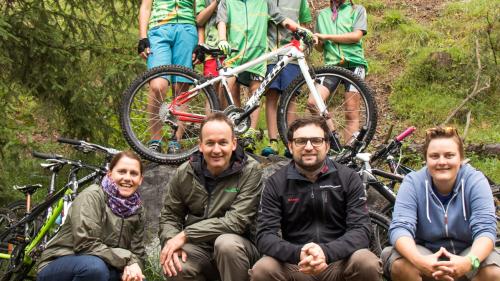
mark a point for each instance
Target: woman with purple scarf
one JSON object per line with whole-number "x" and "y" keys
{"x": 101, "y": 238}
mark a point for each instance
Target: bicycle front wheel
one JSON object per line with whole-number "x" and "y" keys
{"x": 349, "y": 101}
{"x": 380, "y": 232}
{"x": 154, "y": 128}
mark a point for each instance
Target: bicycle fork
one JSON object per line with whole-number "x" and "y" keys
{"x": 304, "y": 68}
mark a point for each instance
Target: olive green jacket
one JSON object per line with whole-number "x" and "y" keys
{"x": 91, "y": 228}
{"x": 230, "y": 208}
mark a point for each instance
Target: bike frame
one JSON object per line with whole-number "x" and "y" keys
{"x": 63, "y": 197}
{"x": 367, "y": 176}
{"x": 288, "y": 53}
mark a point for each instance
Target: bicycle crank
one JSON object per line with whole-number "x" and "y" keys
{"x": 234, "y": 113}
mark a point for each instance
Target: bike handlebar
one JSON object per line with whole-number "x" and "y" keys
{"x": 69, "y": 141}
{"x": 45, "y": 155}
{"x": 87, "y": 146}
{"x": 406, "y": 133}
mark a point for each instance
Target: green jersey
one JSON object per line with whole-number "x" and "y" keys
{"x": 211, "y": 34}
{"x": 172, "y": 11}
{"x": 296, "y": 10}
{"x": 349, "y": 19}
{"x": 246, "y": 22}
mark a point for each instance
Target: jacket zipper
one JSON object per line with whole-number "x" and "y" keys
{"x": 314, "y": 209}
{"x": 446, "y": 218}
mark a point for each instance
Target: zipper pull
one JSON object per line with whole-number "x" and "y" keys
{"x": 445, "y": 218}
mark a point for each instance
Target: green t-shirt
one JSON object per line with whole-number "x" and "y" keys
{"x": 349, "y": 19}
{"x": 211, "y": 33}
{"x": 296, "y": 10}
{"x": 172, "y": 11}
{"x": 246, "y": 22}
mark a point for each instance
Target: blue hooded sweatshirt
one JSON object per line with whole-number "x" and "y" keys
{"x": 419, "y": 214}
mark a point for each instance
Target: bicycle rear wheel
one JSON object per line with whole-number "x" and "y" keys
{"x": 146, "y": 115}
{"x": 380, "y": 232}
{"x": 294, "y": 103}
{"x": 6, "y": 219}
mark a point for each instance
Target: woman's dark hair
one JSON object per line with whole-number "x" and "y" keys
{"x": 129, "y": 154}
{"x": 302, "y": 122}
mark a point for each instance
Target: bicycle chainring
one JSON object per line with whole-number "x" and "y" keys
{"x": 234, "y": 113}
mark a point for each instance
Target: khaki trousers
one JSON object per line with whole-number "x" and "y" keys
{"x": 230, "y": 259}
{"x": 362, "y": 265}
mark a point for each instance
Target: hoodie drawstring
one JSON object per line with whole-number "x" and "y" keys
{"x": 427, "y": 200}
{"x": 463, "y": 200}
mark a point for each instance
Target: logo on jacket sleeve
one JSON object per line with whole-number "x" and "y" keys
{"x": 232, "y": 189}
{"x": 293, "y": 200}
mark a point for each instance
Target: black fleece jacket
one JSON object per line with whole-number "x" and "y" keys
{"x": 331, "y": 212}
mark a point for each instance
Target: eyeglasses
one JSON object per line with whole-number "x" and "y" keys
{"x": 316, "y": 142}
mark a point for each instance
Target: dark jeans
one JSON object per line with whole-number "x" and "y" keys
{"x": 78, "y": 268}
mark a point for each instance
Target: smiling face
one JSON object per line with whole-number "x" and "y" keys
{"x": 217, "y": 144}
{"x": 127, "y": 175}
{"x": 443, "y": 161}
{"x": 309, "y": 157}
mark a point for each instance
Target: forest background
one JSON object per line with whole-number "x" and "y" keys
{"x": 65, "y": 63}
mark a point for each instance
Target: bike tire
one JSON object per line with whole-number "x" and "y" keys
{"x": 18, "y": 209}
{"x": 293, "y": 103}
{"x": 136, "y": 121}
{"x": 379, "y": 232}
{"x": 6, "y": 220}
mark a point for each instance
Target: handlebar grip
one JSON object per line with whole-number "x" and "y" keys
{"x": 45, "y": 155}
{"x": 406, "y": 133}
{"x": 69, "y": 141}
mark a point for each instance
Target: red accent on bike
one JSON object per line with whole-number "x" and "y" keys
{"x": 295, "y": 43}
{"x": 406, "y": 133}
{"x": 183, "y": 116}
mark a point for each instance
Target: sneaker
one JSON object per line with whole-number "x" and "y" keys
{"x": 155, "y": 145}
{"x": 270, "y": 149}
{"x": 335, "y": 142}
{"x": 173, "y": 146}
{"x": 248, "y": 140}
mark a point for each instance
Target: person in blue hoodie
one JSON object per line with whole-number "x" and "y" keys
{"x": 444, "y": 224}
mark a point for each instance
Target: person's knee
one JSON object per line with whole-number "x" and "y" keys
{"x": 93, "y": 268}
{"x": 227, "y": 245}
{"x": 366, "y": 263}
{"x": 264, "y": 269}
{"x": 158, "y": 85}
{"x": 491, "y": 272}
{"x": 402, "y": 269}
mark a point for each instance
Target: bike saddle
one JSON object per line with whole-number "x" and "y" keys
{"x": 28, "y": 189}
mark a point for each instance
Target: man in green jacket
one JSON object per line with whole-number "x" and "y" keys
{"x": 209, "y": 209}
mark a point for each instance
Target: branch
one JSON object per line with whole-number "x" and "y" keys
{"x": 467, "y": 124}
{"x": 475, "y": 91}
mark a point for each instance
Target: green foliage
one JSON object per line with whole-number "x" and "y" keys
{"x": 64, "y": 65}
{"x": 490, "y": 166}
{"x": 373, "y": 6}
{"x": 392, "y": 19}
{"x": 441, "y": 70}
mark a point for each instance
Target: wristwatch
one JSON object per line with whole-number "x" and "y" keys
{"x": 474, "y": 262}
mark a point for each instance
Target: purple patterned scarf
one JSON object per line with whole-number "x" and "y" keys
{"x": 121, "y": 206}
